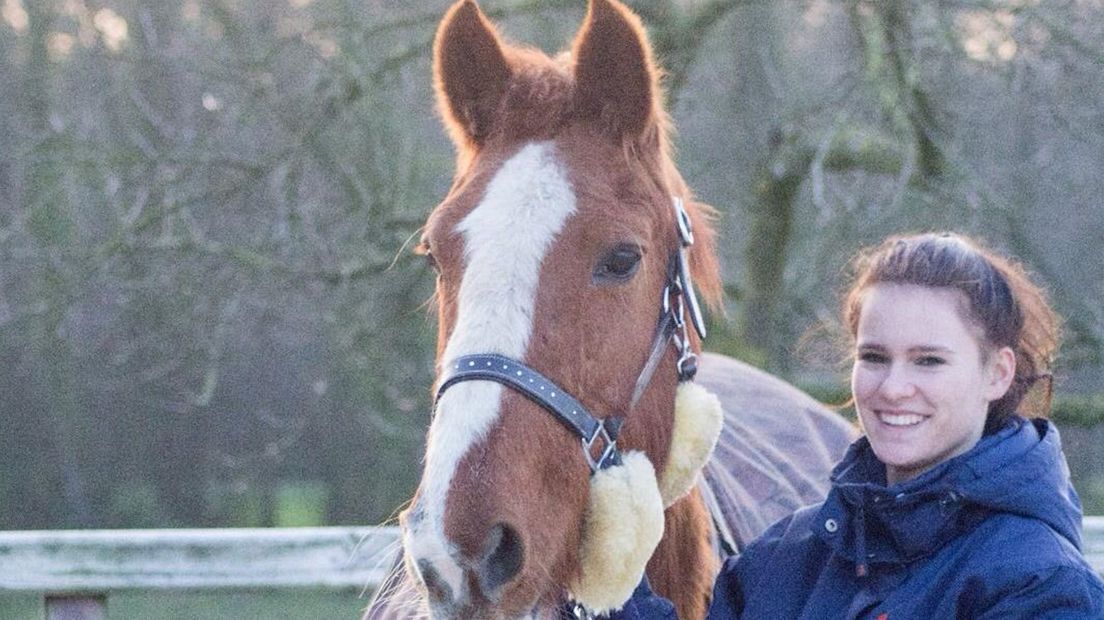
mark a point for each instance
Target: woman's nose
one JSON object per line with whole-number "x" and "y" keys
{"x": 897, "y": 383}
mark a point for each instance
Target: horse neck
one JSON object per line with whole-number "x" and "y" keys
{"x": 684, "y": 565}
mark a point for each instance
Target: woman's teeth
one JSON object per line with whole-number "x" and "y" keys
{"x": 900, "y": 419}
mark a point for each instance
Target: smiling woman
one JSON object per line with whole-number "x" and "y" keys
{"x": 955, "y": 503}
{"x": 922, "y": 380}
{"x": 997, "y": 300}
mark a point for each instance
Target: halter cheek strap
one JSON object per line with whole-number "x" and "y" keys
{"x": 678, "y": 299}
{"x": 683, "y": 282}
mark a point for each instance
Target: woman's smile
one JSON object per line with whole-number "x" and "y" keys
{"x": 899, "y": 418}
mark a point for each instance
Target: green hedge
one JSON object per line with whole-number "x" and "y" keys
{"x": 1079, "y": 409}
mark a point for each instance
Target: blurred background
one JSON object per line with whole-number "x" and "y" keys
{"x": 209, "y": 311}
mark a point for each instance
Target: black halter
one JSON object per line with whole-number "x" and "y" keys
{"x": 678, "y": 300}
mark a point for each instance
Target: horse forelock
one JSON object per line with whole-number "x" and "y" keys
{"x": 540, "y": 98}
{"x": 540, "y": 104}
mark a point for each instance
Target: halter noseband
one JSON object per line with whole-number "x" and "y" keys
{"x": 679, "y": 299}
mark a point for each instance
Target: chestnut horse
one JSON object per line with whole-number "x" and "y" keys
{"x": 558, "y": 249}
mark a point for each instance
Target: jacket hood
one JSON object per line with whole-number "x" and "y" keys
{"x": 1020, "y": 470}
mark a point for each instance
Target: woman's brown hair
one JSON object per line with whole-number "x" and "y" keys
{"x": 1001, "y": 301}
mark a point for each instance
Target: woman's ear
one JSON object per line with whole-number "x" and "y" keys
{"x": 1002, "y": 371}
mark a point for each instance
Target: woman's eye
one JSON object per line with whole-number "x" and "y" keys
{"x": 930, "y": 360}
{"x": 871, "y": 357}
{"x": 618, "y": 265}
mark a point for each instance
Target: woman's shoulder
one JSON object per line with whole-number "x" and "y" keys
{"x": 1022, "y": 544}
{"x": 776, "y": 565}
{"x": 1011, "y": 559}
{"x": 1021, "y": 567}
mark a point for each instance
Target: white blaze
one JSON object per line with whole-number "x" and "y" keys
{"x": 506, "y": 238}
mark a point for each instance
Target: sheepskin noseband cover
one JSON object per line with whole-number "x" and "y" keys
{"x": 624, "y": 519}
{"x": 623, "y": 525}
{"x": 698, "y": 420}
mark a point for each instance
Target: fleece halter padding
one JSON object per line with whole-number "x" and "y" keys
{"x": 624, "y": 518}
{"x": 622, "y": 527}
{"x": 698, "y": 420}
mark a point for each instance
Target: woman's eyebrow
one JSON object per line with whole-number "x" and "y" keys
{"x": 923, "y": 348}
{"x": 931, "y": 348}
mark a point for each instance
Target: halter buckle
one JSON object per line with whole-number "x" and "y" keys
{"x": 685, "y": 284}
{"x": 682, "y": 221}
{"x": 678, "y": 315}
{"x": 686, "y": 290}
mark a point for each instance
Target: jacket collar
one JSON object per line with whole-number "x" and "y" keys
{"x": 868, "y": 522}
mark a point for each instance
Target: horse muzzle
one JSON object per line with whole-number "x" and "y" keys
{"x": 464, "y": 585}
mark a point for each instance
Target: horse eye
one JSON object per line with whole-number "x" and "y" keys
{"x": 618, "y": 265}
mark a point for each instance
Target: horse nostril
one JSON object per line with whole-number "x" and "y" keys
{"x": 504, "y": 558}
{"x": 435, "y": 586}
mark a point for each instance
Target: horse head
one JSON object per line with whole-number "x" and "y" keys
{"x": 556, "y": 250}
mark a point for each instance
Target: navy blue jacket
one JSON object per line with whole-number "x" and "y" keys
{"x": 992, "y": 533}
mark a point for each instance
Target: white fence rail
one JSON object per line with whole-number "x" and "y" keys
{"x": 75, "y": 571}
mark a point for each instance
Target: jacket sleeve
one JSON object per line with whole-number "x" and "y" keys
{"x": 728, "y": 598}
{"x": 1064, "y": 593}
{"x": 645, "y": 605}
{"x": 745, "y": 571}
{"x": 728, "y": 593}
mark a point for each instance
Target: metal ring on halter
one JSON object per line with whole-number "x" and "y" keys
{"x": 609, "y": 454}
{"x": 687, "y": 367}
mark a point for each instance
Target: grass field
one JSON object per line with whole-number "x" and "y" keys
{"x": 257, "y": 605}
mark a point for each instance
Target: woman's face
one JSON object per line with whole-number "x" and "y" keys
{"x": 921, "y": 383}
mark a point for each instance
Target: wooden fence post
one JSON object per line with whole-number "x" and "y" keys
{"x": 83, "y": 607}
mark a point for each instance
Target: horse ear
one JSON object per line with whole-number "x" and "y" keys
{"x": 470, "y": 72}
{"x": 616, "y": 79}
